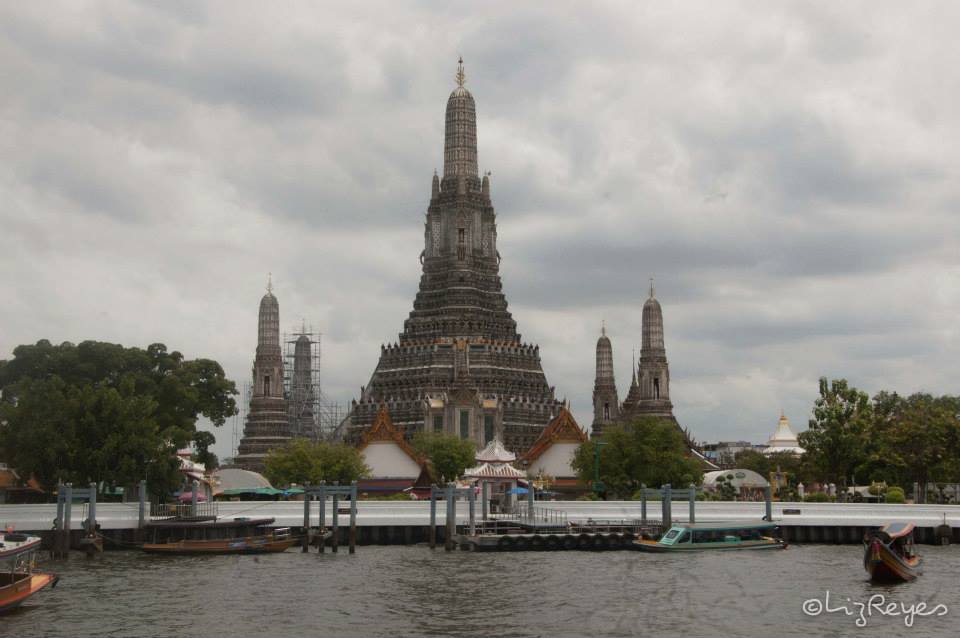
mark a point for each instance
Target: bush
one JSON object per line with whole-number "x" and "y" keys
{"x": 817, "y": 497}
{"x": 588, "y": 497}
{"x": 896, "y": 495}
{"x": 399, "y": 496}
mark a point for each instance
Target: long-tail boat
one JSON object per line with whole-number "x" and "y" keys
{"x": 222, "y": 536}
{"x": 18, "y": 580}
{"x": 889, "y": 554}
{"x": 718, "y": 536}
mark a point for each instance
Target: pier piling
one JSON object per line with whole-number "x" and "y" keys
{"x": 768, "y": 505}
{"x": 433, "y": 517}
{"x": 335, "y": 539}
{"x": 451, "y": 518}
{"x": 305, "y": 544}
{"x": 643, "y": 504}
{"x": 666, "y": 507}
{"x": 693, "y": 503}
{"x": 353, "y": 518}
{"x": 323, "y": 516}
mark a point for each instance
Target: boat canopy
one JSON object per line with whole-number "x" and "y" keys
{"x": 897, "y": 530}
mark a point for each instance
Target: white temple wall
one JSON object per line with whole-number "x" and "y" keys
{"x": 556, "y": 461}
{"x": 388, "y": 460}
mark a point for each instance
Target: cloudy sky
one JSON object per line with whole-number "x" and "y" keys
{"x": 787, "y": 172}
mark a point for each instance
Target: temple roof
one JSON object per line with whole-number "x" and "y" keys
{"x": 563, "y": 428}
{"x": 383, "y": 430}
{"x": 495, "y": 470}
{"x": 495, "y": 453}
{"x": 783, "y": 439}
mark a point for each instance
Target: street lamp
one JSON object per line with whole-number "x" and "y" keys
{"x": 598, "y": 485}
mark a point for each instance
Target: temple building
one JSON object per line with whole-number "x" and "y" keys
{"x": 606, "y": 404}
{"x": 267, "y": 425}
{"x": 550, "y": 460}
{"x": 650, "y": 393}
{"x": 783, "y": 439}
{"x": 394, "y": 465}
{"x": 459, "y": 365}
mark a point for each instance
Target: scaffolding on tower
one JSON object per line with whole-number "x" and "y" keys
{"x": 311, "y": 415}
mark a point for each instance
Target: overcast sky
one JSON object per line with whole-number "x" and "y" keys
{"x": 787, "y": 172}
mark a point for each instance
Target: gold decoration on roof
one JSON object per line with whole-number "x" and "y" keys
{"x": 461, "y": 77}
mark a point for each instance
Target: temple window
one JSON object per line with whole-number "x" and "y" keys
{"x": 656, "y": 387}
{"x": 266, "y": 386}
{"x": 464, "y": 424}
{"x": 438, "y": 423}
{"x": 461, "y": 244}
{"x": 606, "y": 410}
{"x": 487, "y": 428}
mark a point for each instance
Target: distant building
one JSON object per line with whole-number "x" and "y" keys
{"x": 783, "y": 439}
{"x": 394, "y": 465}
{"x": 551, "y": 457}
{"x": 267, "y": 425}
{"x": 723, "y": 453}
{"x": 650, "y": 393}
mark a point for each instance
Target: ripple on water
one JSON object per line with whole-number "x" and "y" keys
{"x": 412, "y": 591}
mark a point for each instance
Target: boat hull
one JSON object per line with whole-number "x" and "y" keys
{"x": 15, "y": 594}
{"x": 654, "y": 546}
{"x": 885, "y": 566}
{"x": 255, "y": 545}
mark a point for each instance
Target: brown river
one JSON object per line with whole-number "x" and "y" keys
{"x": 401, "y": 591}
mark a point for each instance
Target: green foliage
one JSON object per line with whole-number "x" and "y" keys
{"x": 399, "y": 496}
{"x": 647, "y": 451}
{"x": 590, "y": 497}
{"x": 447, "y": 454}
{"x": 817, "y": 497}
{"x": 202, "y": 440}
{"x": 890, "y": 438}
{"x": 726, "y": 491}
{"x": 834, "y": 441}
{"x": 307, "y": 463}
{"x": 99, "y": 412}
{"x": 895, "y": 495}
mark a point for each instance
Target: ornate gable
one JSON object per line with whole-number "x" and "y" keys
{"x": 383, "y": 429}
{"x": 563, "y": 428}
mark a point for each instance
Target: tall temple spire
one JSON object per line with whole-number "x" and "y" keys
{"x": 606, "y": 403}
{"x": 267, "y": 426}
{"x": 459, "y": 365}
{"x": 460, "y": 137}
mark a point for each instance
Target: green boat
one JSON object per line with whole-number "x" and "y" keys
{"x": 722, "y": 536}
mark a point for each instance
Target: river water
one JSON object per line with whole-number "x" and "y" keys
{"x": 401, "y": 591}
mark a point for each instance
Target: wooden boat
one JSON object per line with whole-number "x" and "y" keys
{"x": 714, "y": 536}
{"x": 889, "y": 554}
{"x": 18, "y": 580}
{"x": 230, "y": 536}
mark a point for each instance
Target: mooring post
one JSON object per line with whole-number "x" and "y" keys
{"x": 666, "y": 507}
{"x": 484, "y": 499}
{"x": 433, "y": 517}
{"x": 67, "y": 516}
{"x": 323, "y": 516}
{"x": 693, "y": 502}
{"x": 451, "y": 518}
{"x": 193, "y": 497}
{"x": 643, "y": 503}
{"x": 353, "y": 517}
{"x": 142, "y": 514}
{"x": 530, "y": 498}
{"x": 92, "y": 518}
{"x": 60, "y": 494}
{"x": 768, "y": 497}
{"x": 307, "y": 496}
{"x": 336, "y": 522}
{"x": 472, "y": 500}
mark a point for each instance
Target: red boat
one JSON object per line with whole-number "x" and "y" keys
{"x": 889, "y": 554}
{"x": 18, "y": 581}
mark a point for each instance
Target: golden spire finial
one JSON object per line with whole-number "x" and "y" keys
{"x": 603, "y": 327}
{"x": 651, "y": 287}
{"x": 270, "y": 282}
{"x": 461, "y": 78}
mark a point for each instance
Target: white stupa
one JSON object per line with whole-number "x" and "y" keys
{"x": 783, "y": 440}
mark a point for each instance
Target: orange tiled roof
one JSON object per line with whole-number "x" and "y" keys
{"x": 382, "y": 429}
{"x": 563, "y": 428}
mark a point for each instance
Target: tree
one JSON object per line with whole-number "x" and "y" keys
{"x": 202, "y": 440}
{"x": 835, "y": 440}
{"x": 646, "y": 451}
{"x": 447, "y": 454}
{"x": 99, "y": 412}
{"x": 307, "y": 463}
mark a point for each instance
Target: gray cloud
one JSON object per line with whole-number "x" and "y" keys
{"x": 786, "y": 173}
